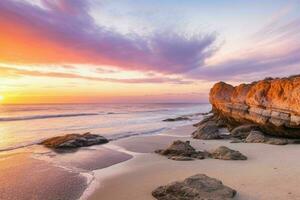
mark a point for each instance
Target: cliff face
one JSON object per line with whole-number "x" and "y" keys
{"x": 273, "y": 104}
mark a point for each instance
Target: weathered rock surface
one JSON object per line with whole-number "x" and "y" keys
{"x": 197, "y": 187}
{"x": 74, "y": 141}
{"x": 224, "y": 153}
{"x": 208, "y": 129}
{"x": 243, "y": 131}
{"x": 259, "y": 137}
{"x": 272, "y": 104}
{"x": 181, "y": 151}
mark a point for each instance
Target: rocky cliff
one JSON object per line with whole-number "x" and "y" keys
{"x": 272, "y": 104}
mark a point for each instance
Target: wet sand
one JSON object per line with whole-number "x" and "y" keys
{"x": 23, "y": 177}
{"x": 271, "y": 172}
{"x": 38, "y": 173}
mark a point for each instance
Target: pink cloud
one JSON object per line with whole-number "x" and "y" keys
{"x": 67, "y": 26}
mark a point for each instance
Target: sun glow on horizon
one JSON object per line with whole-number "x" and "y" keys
{"x": 1, "y": 98}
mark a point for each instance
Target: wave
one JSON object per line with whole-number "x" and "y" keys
{"x": 19, "y": 146}
{"x": 34, "y": 117}
{"x": 131, "y": 134}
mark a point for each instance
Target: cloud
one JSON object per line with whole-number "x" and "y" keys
{"x": 16, "y": 72}
{"x": 275, "y": 51}
{"x": 62, "y": 31}
{"x": 256, "y": 66}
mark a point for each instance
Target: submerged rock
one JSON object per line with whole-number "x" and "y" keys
{"x": 224, "y": 153}
{"x": 176, "y": 119}
{"x": 180, "y": 150}
{"x": 272, "y": 104}
{"x": 70, "y": 141}
{"x": 197, "y": 187}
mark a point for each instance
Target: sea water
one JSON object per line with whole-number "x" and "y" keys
{"x": 24, "y": 125}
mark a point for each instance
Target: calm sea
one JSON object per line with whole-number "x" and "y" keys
{"x": 24, "y": 125}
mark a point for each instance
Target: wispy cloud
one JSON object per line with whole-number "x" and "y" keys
{"x": 15, "y": 72}
{"x": 275, "y": 51}
{"x": 68, "y": 26}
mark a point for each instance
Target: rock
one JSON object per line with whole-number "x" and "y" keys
{"x": 204, "y": 120}
{"x": 207, "y": 131}
{"x": 277, "y": 141}
{"x": 181, "y": 158}
{"x": 197, "y": 187}
{"x": 70, "y": 141}
{"x": 243, "y": 131}
{"x": 256, "y": 137}
{"x": 224, "y": 153}
{"x": 176, "y": 119}
{"x": 180, "y": 150}
{"x": 271, "y": 104}
{"x": 259, "y": 137}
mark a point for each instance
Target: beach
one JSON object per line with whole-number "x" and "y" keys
{"x": 271, "y": 172}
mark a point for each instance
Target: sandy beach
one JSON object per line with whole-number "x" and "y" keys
{"x": 271, "y": 172}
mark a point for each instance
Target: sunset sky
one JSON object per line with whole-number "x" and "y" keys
{"x": 102, "y": 51}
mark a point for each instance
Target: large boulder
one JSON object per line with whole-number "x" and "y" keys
{"x": 71, "y": 141}
{"x": 180, "y": 150}
{"x": 271, "y": 104}
{"x": 197, "y": 187}
{"x": 224, "y": 153}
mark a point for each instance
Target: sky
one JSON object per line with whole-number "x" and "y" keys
{"x": 141, "y": 51}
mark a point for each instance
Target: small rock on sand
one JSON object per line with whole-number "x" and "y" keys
{"x": 259, "y": 137}
{"x": 224, "y": 153}
{"x": 180, "y": 150}
{"x": 197, "y": 187}
{"x": 243, "y": 131}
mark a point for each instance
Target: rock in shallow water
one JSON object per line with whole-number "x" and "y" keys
{"x": 71, "y": 141}
{"x": 197, "y": 187}
{"x": 224, "y": 153}
{"x": 176, "y": 119}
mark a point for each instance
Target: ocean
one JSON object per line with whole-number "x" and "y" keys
{"x": 25, "y": 125}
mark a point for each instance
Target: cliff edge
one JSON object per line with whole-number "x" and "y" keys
{"x": 272, "y": 104}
